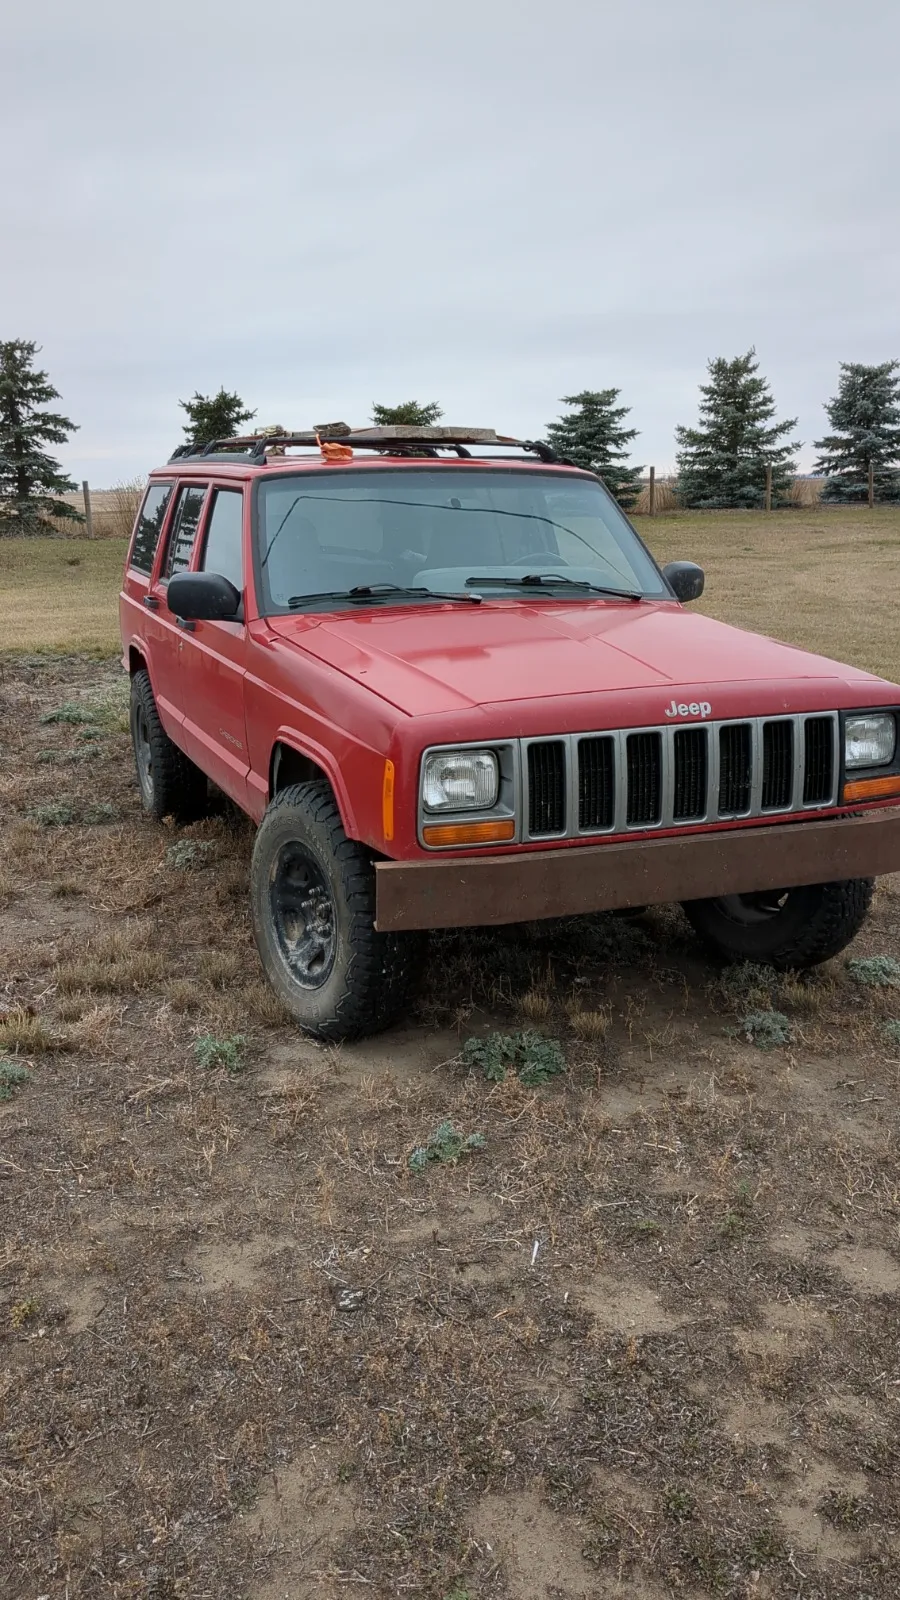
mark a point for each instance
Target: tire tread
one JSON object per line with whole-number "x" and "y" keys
{"x": 832, "y": 923}
{"x": 180, "y": 788}
{"x": 382, "y": 967}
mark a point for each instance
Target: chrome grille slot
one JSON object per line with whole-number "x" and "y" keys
{"x": 547, "y": 788}
{"x": 691, "y": 773}
{"x": 778, "y": 765}
{"x": 735, "y": 768}
{"x": 818, "y": 770}
{"x": 644, "y": 762}
{"x": 596, "y": 784}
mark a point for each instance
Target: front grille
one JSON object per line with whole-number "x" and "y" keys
{"x": 735, "y": 768}
{"x": 691, "y": 774}
{"x": 610, "y": 782}
{"x": 596, "y": 784}
{"x": 644, "y": 779}
{"x": 778, "y": 765}
{"x": 547, "y": 787}
{"x": 818, "y": 771}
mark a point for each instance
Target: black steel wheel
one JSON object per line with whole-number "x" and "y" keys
{"x": 312, "y": 901}
{"x": 303, "y": 915}
{"x": 783, "y": 928}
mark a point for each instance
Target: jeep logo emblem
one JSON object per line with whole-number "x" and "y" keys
{"x": 697, "y": 708}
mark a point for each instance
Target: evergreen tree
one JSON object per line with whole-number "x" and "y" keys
{"x": 407, "y": 415}
{"x": 218, "y": 416}
{"x": 592, "y": 436}
{"x": 723, "y": 461}
{"x": 865, "y": 416}
{"x": 31, "y": 481}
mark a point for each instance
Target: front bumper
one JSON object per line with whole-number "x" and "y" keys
{"x": 474, "y": 891}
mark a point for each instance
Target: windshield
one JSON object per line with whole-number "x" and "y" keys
{"x": 440, "y": 530}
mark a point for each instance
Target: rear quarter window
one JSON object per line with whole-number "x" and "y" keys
{"x": 149, "y": 526}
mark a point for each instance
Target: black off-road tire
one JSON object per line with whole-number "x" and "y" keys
{"x": 309, "y": 883}
{"x": 169, "y": 784}
{"x": 810, "y": 925}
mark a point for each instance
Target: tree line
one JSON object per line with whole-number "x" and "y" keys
{"x": 722, "y": 462}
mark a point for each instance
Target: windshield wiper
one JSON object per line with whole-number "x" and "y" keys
{"x": 382, "y": 591}
{"x": 553, "y": 580}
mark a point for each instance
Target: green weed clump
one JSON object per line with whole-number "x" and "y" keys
{"x": 12, "y": 1075}
{"x": 765, "y": 1029}
{"x": 59, "y": 814}
{"x": 446, "y": 1145}
{"x": 228, "y": 1053}
{"x": 892, "y": 1032}
{"x": 70, "y": 711}
{"x": 101, "y": 811}
{"x": 187, "y": 853}
{"x": 747, "y": 984}
{"x": 875, "y": 972}
{"x": 534, "y": 1058}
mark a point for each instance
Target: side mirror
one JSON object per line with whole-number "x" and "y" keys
{"x": 686, "y": 578}
{"x": 203, "y": 597}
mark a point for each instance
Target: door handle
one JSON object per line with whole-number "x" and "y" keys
{"x": 151, "y": 602}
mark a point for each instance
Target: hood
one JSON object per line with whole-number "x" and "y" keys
{"x": 428, "y": 661}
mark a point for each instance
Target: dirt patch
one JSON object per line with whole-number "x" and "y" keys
{"x": 867, "y": 1269}
{"x": 788, "y": 1326}
{"x": 294, "y": 1531}
{"x": 538, "y": 1549}
{"x": 813, "y": 1481}
{"x": 233, "y": 1265}
{"x": 627, "y": 1308}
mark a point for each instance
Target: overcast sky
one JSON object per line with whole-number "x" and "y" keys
{"x": 491, "y": 205}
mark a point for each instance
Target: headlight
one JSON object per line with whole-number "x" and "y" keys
{"x": 460, "y": 780}
{"x": 869, "y": 741}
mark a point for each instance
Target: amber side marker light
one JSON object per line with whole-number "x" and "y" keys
{"x": 873, "y": 788}
{"x": 469, "y": 832}
{"x": 387, "y": 801}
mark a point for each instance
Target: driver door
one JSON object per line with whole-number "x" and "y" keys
{"x": 214, "y": 656}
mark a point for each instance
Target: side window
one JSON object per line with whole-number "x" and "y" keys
{"x": 184, "y": 528}
{"x": 149, "y": 526}
{"x": 223, "y": 550}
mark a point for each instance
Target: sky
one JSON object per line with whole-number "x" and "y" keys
{"x": 491, "y": 205}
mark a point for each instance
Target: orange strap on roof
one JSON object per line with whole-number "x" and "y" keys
{"x": 332, "y": 451}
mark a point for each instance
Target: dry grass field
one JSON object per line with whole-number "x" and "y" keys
{"x": 642, "y": 1342}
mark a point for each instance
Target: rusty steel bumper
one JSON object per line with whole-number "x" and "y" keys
{"x": 473, "y": 891}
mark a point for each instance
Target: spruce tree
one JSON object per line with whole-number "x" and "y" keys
{"x": 865, "y": 416}
{"x": 723, "y": 461}
{"x": 218, "y": 416}
{"x": 31, "y": 481}
{"x": 592, "y": 436}
{"x": 409, "y": 414}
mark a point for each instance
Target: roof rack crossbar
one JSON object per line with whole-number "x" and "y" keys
{"x": 399, "y": 441}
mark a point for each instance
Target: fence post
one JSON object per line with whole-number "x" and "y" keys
{"x": 871, "y": 483}
{"x": 86, "y": 491}
{"x": 768, "y": 488}
{"x": 651, "y": 499}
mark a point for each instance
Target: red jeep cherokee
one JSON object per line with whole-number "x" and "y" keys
{"x": 445, "y": 677}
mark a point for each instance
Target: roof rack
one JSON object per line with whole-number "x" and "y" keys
{"x": 392, "y": 441}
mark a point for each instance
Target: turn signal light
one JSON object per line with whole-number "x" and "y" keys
{"x": 873, "y": 788}
{"x": 469, "y": 832}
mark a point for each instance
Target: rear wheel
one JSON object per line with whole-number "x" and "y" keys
{"x": 312, "y": 900}
{"x": 169, "y": 783}
{"x": 783, "y": 928}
